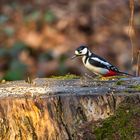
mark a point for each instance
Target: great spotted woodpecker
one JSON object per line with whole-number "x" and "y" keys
{"x": 97, "y": 64}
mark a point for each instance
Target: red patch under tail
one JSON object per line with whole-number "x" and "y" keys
{"x": 111, "y": 73}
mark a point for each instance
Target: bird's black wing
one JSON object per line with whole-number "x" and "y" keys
{"x": 98, "y": 61}
{"x": 113, "y": 68}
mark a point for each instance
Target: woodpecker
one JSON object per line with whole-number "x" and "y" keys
{"x": 97, "y": 64}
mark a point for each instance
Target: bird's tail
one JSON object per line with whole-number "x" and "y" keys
{"x": 124, "y": 73}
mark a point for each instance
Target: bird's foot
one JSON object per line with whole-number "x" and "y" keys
{"x": 88, "y": 76}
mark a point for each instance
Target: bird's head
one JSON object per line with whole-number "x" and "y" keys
{"x": 81, "y": 51}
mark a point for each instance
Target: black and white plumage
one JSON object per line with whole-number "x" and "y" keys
{"x": 97, "y": 64}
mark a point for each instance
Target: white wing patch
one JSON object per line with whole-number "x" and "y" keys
{"x": 101, "y": 61}
{"x": 84, "y": 51}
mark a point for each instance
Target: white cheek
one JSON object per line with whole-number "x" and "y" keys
{"x": 84, "y": 51}
{"x": 76, "y": 52}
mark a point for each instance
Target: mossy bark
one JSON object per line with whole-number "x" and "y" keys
{"x": 62, "y": 109}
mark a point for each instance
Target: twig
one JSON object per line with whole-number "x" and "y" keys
{"x": 138, "y": 64}
{"x": 131, "y": 29}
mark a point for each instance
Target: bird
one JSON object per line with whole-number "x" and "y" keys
{"x": 97, "y": 64}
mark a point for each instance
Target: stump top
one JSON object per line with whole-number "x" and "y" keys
{"x": 54, "y": 87}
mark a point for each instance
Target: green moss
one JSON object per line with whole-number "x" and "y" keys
{"x": 122, "y": 125}
{"x": 66, "y": 77}
{"x": 136, "y": 87}
{"x": 119, "y": 82}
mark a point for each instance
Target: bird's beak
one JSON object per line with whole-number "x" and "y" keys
{"x": 73, "y": 56}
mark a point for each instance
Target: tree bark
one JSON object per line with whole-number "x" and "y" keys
{"x": 50, "y": 109}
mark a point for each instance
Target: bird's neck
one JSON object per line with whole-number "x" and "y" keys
{"x": 86, "y": 56}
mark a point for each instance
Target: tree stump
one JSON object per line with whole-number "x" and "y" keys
{"x": 51, "y": 109}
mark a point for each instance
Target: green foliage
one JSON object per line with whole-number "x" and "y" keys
{"x": 34, "y": 16}
{"x": 120, "y": 126}
{"x": 49, "y": 16}
{"x": 66, "y": 77}
{"x": 46, "y": 56}
{"x": 17, "y": 71}
{"x": 62, "y": 66}
{"x": 62, "y": 69}
{"x": 9, "y": 31}
{"x": 17, "y": 48}
{"x": 3, "y": 19}
{"x": 3, "y": 52}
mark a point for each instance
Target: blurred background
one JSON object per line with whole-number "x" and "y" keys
{"x": 38, "y": 37}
